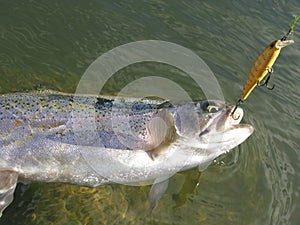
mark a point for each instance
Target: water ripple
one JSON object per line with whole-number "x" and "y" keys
{"x": 258, "y": 183}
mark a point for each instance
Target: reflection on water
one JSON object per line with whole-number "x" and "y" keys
{"x": 50, "y": 45}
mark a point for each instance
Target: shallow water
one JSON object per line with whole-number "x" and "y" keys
{"x": 50, "y": 45}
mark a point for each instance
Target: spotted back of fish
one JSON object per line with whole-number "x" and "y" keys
{"x": 79, "y": 120}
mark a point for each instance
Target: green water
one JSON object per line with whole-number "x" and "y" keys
{"x": 49, "y": 44}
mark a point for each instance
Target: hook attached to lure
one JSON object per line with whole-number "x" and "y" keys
{"x": 265, "y": 81}
{"x": 261, "y": 70}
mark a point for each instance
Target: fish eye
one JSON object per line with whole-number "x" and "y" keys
{"x": 212, "y": 108}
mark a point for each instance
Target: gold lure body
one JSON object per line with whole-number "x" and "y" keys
{"x": 263, "y": 65}
{"x": 262, "y": 68}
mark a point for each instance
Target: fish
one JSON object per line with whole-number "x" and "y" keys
{"x": 49, "y": 136}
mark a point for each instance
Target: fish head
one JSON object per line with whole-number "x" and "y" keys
{"x": 210, "y": 126}
{"x": 216, "y": 117}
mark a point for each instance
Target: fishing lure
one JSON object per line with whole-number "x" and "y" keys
{"x": 261, "y": 70}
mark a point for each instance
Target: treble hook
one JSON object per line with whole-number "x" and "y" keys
{"x": 266, "y": 80}
{"x": 240, "y": 101}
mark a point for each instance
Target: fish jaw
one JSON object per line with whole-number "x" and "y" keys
{"x": 224, "y": 132}
{"x": 224, "y": 141}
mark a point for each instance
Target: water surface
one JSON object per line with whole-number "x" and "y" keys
{"x": 50, "y": 44}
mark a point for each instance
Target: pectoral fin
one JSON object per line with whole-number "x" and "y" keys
{"x": 8, "y": 183}
{"x": 161, "y": 131}
{"x": 157, "y": 190}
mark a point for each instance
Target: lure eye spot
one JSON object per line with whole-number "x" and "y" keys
{"x": 273, "y": 44}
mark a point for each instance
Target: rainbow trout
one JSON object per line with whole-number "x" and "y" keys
{"x": 94, "y": 140}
